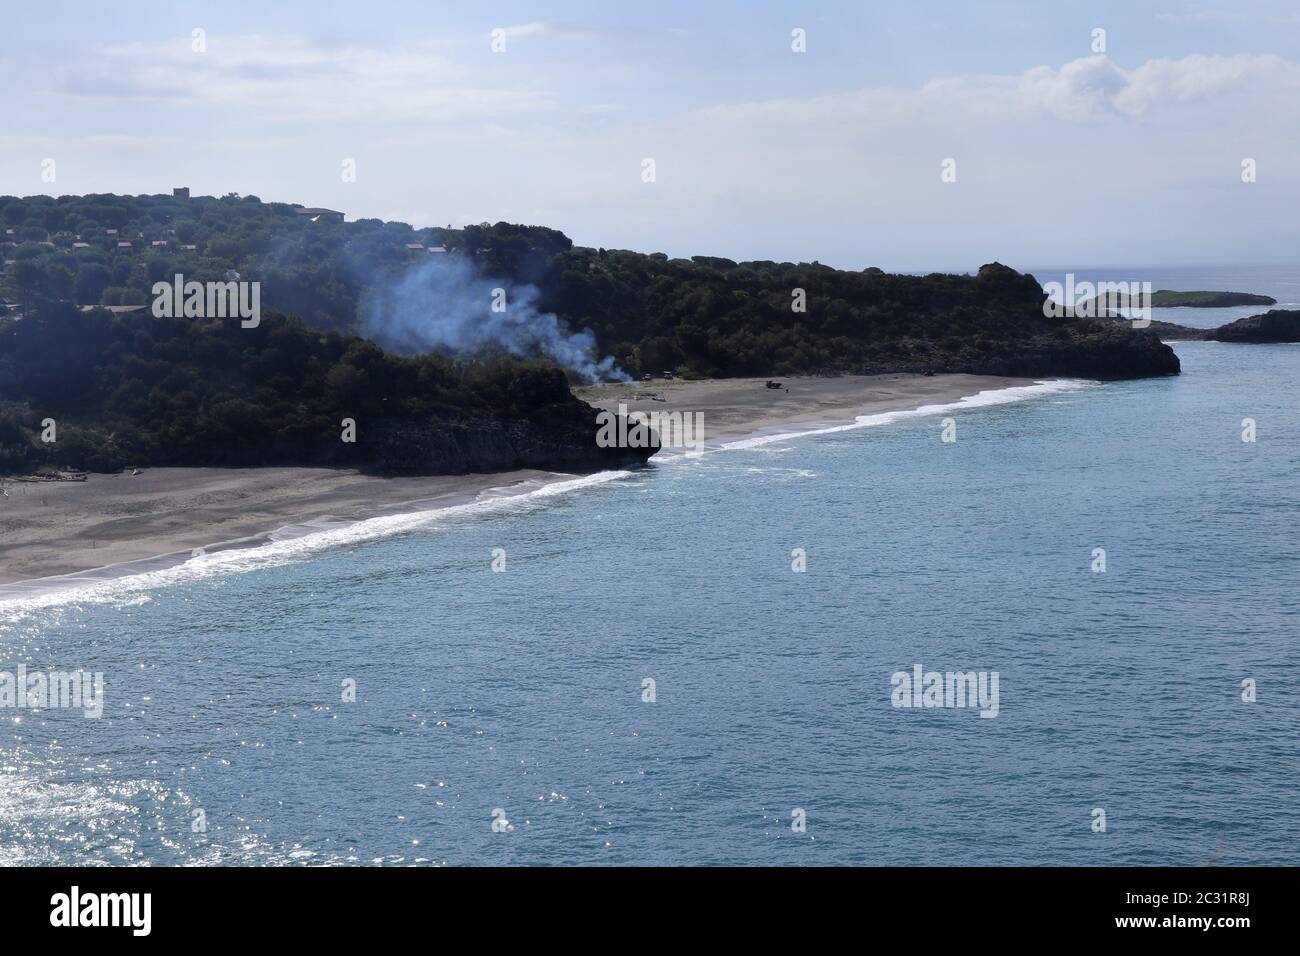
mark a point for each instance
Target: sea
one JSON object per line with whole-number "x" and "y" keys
{"x": 702, "y": 661}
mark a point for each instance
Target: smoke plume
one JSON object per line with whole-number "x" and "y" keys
{"x": 445, "y": 305}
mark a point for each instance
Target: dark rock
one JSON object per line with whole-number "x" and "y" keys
{"x": 1171, "y": 331}
{"x": 1168, "y": 331}
{"x": 564, "y": 441}
{"x": 1278, "y": 325}
{"x": 1106, "y": 352}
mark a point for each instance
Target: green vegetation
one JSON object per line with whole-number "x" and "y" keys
{"x": 1166, "y": 299}
{"x": 705, "y": 316}
{"x": 136, "y": 390}
{"x": 109, "y": 250}
{"x": 711, "y": 317}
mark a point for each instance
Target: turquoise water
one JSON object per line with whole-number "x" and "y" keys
{"x": 522, "y": 691}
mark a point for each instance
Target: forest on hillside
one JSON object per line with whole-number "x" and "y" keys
{"x": 102, "y": 392}
{"x": 703, "y": 316}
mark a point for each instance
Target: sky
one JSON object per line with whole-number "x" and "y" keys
{"x": 912, "y": 136}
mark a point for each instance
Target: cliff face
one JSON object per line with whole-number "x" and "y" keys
{"x": 564, "y": 441}
{"x": 1105, "y": 353}
{"x": 1278, "y": 325}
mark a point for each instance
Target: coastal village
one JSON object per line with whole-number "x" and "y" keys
{"x": 105, "y": 264}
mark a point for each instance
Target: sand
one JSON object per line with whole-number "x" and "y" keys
{"x": 55, "y": 528}
{"x": 59, "y": 528}
{"x": 742, "y": 406}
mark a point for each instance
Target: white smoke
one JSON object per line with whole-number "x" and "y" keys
{"x": 444, "y": 305}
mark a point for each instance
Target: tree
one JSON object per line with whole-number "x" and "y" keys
{"x": 92, "y": 279}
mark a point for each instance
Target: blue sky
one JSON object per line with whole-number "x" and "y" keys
{"x": 1062, "y": 154}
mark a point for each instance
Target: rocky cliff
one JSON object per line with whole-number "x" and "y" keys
{"x": 1277, "y": 325}
{"x": 564, "y": 442}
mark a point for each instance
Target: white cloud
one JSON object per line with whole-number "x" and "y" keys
{"x": 549, "y": 28}
{"x": 1088, "y": 161}
{"x": 288, "y": 79}
{"x": 1095, "y": 87}
{"x": 1141, "y": 163}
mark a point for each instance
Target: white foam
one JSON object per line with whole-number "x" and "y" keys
{"x": 285, "y": 544}
{"x": 993, "y": 396}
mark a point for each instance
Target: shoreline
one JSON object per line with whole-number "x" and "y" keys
{"x": 61, "y": 536}
{"x": 209, "y": 511}
{"x": 735, "y": 408}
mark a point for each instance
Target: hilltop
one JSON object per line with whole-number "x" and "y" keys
{"x": 699, "y": 317}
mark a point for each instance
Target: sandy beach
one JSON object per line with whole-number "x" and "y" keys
{"x": 58, "y": 528}
{"x": 741, "y": 406}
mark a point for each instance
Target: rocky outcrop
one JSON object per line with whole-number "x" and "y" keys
{"x": 1100, "y": 349}
{"x": 1172, "y": 332}
{"x": 1277, "y": 325}
{"x": 562, "y": 441}
{"x": 1104, "y": 353}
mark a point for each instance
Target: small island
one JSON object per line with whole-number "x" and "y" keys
{"x": 1168, "y": 299}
